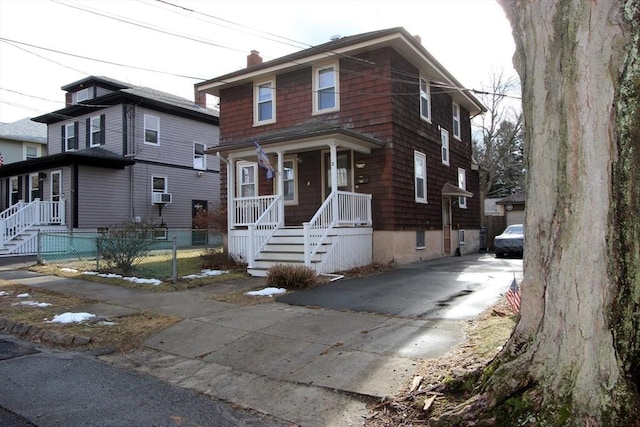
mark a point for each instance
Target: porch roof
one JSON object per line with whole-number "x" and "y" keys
{"x": 305, "y": 136}
{"x": 449, "y": 189}
{"x": 97, "y": 157}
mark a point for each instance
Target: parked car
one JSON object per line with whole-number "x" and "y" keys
{"x": 510, "y": 242}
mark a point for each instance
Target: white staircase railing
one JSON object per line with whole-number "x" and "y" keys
{"x": 247, "y": 210}
{"x": 340, "y": 208}
{"x": 22, "y": 216}
{"x": 263, "y": 229}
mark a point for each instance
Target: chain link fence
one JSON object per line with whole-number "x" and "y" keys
{"x": 158, "y": 253}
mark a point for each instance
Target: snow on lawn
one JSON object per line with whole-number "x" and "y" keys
{"x": 138, "y": 280}
{"x": 69, "y": 270}
{"x": 268, "y": 292}
{"x": 4, "y": 293}
{"x": 32, "y": 303}
{"x": 205, "y": 273}
{"x": 25, "y": 295}
{"x": 69, "y": 317}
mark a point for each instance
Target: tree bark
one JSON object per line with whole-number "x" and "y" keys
{"x": 573, "y": 358}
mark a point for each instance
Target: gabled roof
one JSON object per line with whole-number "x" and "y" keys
{"x": 24, "y": 130}
{"x": 97, "y": 157}
{"x": 345, "y": 47}
{"x": 126, "y": 93}
{"x": 514, "y": 199}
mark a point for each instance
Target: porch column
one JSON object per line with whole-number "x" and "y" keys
{"x": 280, "y": 186}
{"x": 231, "y": 190}
{"x": 334, "y": 178}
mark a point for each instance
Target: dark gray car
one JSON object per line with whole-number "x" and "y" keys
{"x": 510, "y": 242}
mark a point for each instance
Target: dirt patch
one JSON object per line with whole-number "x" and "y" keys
{"x": 443, "y": 383}
{"x": 28, "y": 312}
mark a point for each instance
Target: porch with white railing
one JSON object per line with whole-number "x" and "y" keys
{"x": 18, "y": 224}
{"x": 338, "y": 237}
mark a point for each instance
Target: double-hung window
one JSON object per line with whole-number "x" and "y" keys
{"x": 31, "y": 151}
{"x": 462, "y": 183}
{"x": 95, "y": 131}
{"x": 159, "y": 184}
{"x": 14, "y": 188}
{"x": 151, "y": 130}
{"x": 425, "y": 100}
{"x": 70, "y": 136}
{"x": 265, "y": 103}
{"x": 444, "y": 138}
{"x": 420, "y": 174}
{"x": 456, "y": 121}
{"x": 290, "y": 179}
{"x": 199, "y": 157}
{"x": 247, "y": 179}
{"x": 326, "y": 87}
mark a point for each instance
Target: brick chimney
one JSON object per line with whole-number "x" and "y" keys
{"x": 200, "y": 98}
{"x": 254, "y": 58}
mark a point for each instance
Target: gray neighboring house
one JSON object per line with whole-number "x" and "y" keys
{"x": 116, "y": 153}
{"x": 22, "y": 140}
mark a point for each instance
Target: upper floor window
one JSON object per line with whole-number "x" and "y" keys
{"x": 199, "y": 157}
{"x": 420, "y": 173}
{"x": 70, "y": 136}
{"x": 444, "y": 137}
{"x": 265, "y": 103}
{"x": 82, "y": 95}
{"x": 326, "y": 87}
{"x": 151, "y": 130}
{"x": 95, "y": 130}
{"x": 456, "y": 121}
{"x": 247, "y": 179}
{"x": 462, "y": 183}
{"x": 31, "y": 151}
{"x": 425, "y": 100}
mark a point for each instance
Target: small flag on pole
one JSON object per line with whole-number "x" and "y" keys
{"x": 513, "y": 296}
{"x": 263, "y": 160}
{"x": 1, "y": 160}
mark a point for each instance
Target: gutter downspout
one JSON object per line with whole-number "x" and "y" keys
{"x": 230, "y": 213}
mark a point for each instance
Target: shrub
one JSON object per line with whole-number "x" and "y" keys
{"x": 217, "y": 260}
{"x": 123, "y": 246}
{"x": 292, "y": 276}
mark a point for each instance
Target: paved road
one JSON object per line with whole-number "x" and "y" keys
{"x": 449, "y": 288}
{"x": 44, "y": 387}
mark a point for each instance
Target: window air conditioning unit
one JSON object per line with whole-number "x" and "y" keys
{"x": 161, "y": 198}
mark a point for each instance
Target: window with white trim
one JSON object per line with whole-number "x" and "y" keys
{"x": 444, "y": 138}
{"x": 425, "y": 100}
{"x": 151, "y": 130}
{"x": 56, "y": 186}
{"x": 159, "y": 184}
{"x": 34, "y": 186}
{"x": 69, "y": 137}
{"x": 456, "y": 121}
{"x": 31, "y": 151}
{"x": 265, "y": 103}
{"x": 290, "y": 179}
{"x": 14, "y": 188}
{"x": 247, "y": 179}
{"x": 462, "y": 183}
{"x": 461, "y": 237}
{"x": 82, "y": 95}
{"x": 420, "y": 173}
{"x": 325, "y": 89}
{"x": 199, "y": 157}
{"x": 95, "y": 132}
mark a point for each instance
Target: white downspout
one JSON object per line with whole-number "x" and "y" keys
{"x": 280, "y": 176}
{"x": 334, "y": 179}
{"x": 230, "y": 194}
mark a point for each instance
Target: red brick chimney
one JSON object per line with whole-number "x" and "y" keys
{"x": 254, "y": 58}
{"x": 200, "y": 98}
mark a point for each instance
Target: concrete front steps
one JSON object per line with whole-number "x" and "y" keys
{"x": 285, "y": 247}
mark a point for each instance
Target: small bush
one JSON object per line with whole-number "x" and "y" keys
{"x": 217, "y": 260}
{"x": 292, "y": 276}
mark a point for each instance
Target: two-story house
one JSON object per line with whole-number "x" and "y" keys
{"x": 368, "y": 141}
{"x": 116, "y": 153}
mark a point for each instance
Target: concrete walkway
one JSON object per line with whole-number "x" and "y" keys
{"x": 310, "y": 366}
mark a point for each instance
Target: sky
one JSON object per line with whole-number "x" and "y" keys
{"x": 170, "y": 45}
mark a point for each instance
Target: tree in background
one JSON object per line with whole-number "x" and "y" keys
{"x": 574, "y": 356}
{"x": 499, "y": 145}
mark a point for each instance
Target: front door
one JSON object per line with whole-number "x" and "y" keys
{"x": 200, "y": 222}
{"x": 345, "y": 179}
{"x": 446, "y": 224}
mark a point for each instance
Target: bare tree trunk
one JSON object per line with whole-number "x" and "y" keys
{"x": 573, "y": 358}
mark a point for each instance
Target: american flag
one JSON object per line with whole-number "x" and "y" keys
{"x": 513, "y": 296}
{"x": 1, "y": 160}
{"x": 263, "y": 160}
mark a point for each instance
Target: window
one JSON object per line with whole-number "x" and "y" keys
{"x": 456, "y": 121}
{"x": 420, "y": 161}
{"x": 159, "y": 184}
{"x": 462, "y": 183}
{"x": 265, "y": 103}
{"x": 70, "y": 136}
{"x": 56, "y": 186}
{"x": 14, "y": 186}
{"x": 151, "y": 130}
{"x": 247, "y": 179}
{"x": 31, "y": 152}
{"x": 95, "y": 131}
{"x": 82, "y": 95}
{"x": 461, "y": 237}
{"x": 326, "y": 89}
{"x": 425, "y": 100}
{"x": 199, "y": 157}
{"x": 290, "y": 178}
{"x": 34, "y": 186}
{"x": 420, "y": 239}
{"x": 444, "y": 137}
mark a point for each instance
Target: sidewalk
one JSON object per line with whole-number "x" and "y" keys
{"x": 310, "y": 366}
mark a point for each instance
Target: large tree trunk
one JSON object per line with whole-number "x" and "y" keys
{"x": 573, "y": 358}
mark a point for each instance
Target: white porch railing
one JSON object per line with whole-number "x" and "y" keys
{"x": 247, "y": 210}
{"x": 264, "y": 227}
{"x": 340, "y": 208}
{"x": 21, "y": 216}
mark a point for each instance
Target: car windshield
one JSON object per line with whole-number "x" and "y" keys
{"x": 514, "y": 229}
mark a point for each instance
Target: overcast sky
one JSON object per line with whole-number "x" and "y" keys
{"x": 203, "y": 39}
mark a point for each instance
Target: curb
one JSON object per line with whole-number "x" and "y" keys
{"x": 38, "y": 333}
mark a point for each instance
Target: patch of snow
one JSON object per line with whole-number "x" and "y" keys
{"x": 69, "y": 270}
{"x": 106, "y": 323}
{"x": 267, "y": 292}
{"x": 69, "y": 317}
{"x": 25, "y": 295}
{"x": 205, "y": 273}
{"x": 90, "y": 273}
{"x": 4, "y": 293}
{"x": 32, "y": 303}
{"x": 154, "y": 282}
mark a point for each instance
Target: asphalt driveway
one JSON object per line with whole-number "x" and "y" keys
{"x": 447, "y": 288}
